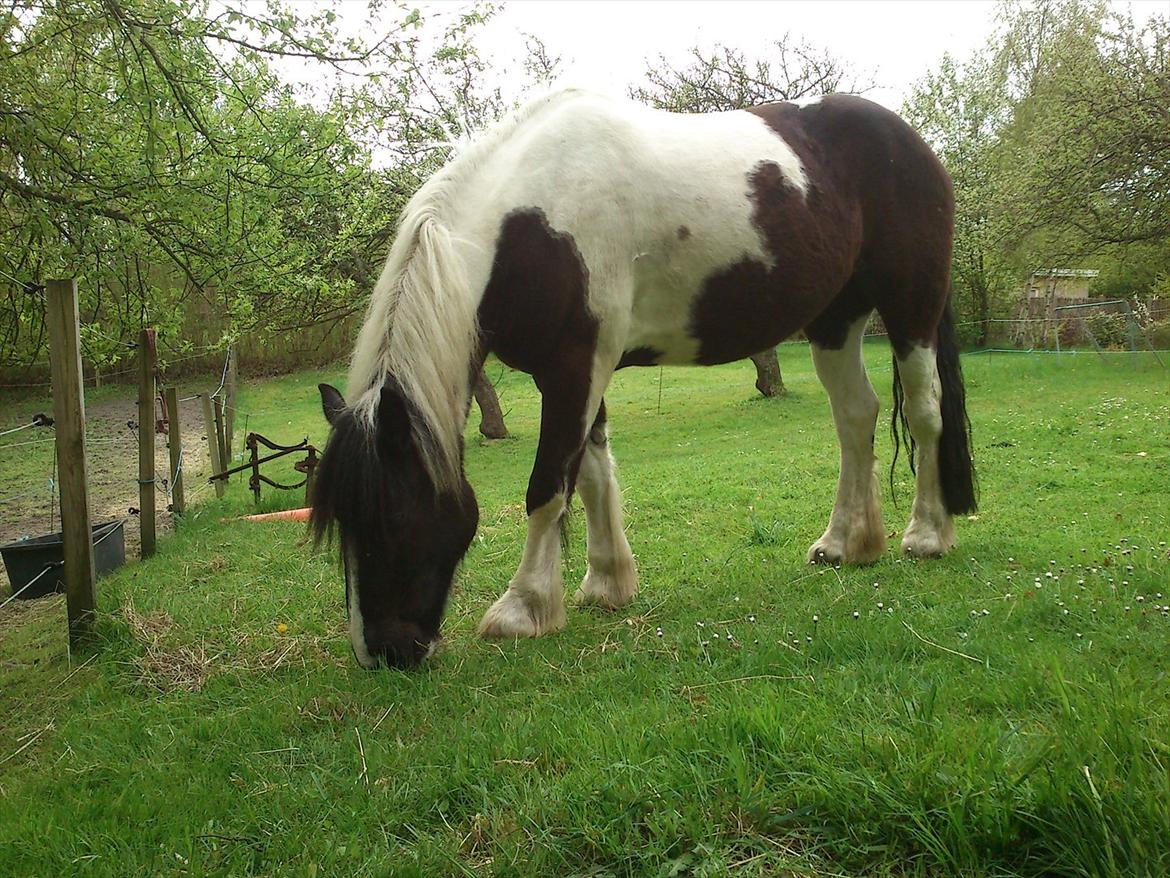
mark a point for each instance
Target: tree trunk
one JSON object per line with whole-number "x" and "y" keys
{"x": 491, "y": 422}
{"x": 768, "y": 378}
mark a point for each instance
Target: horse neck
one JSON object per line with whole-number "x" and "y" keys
{"x": 425, "y": 324}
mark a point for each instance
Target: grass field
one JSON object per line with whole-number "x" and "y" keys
{"x": 1004, "y": 711}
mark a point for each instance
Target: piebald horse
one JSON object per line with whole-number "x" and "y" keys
{"x": 585, "y": 234}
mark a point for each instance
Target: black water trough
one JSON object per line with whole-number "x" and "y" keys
{"x": 26, "y": 559}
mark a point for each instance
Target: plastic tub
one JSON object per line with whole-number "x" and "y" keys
{"x": 28, "y": 558}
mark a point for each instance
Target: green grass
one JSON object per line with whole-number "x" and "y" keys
{"x": 1003, "y": 711}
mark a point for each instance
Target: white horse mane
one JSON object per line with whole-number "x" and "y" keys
{"x": 421, "y": 326}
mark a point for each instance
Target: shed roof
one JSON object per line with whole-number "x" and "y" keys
{"x": 1066, "y": 272}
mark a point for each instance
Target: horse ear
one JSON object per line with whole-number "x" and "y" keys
{"x": 393, "y": 419}
{"x": 332, "y": 402}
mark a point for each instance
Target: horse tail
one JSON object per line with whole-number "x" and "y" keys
{"x": 956, "y": 467}
{"x": 899, "y": 428}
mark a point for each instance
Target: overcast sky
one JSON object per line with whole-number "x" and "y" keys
{"x": 604, "y": 44}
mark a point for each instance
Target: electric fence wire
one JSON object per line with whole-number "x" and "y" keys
{"x": 12, "y": 498}
{"x": 17, "y": 429}
{"x": 103, "y": 374}
{"x": 170, "y": 485}
{"x": 157, "y": 477}
{"x": 31, "y": 583}
{"x": 223, "y": 378}
{"x": 27, "y": 285}
{"x": 53, "y": 492}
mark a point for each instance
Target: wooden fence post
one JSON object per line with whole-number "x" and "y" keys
{"x": 175, "y": 446}
{"x": 229, "y": 404}
{"x": 225, "y": 457}
{"x": 69, "y": 419}
{"x": 146, "y": 524}
{"x": 212, "y": 443}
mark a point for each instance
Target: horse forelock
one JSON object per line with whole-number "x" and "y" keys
{"x": 347, "y": 483}
{"x": 354, "y": 478}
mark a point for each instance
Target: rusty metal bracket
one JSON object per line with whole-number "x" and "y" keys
{"x": 253, "y": 442}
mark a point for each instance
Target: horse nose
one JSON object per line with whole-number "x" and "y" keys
{"x": 402, "y": 660}
{"x": 403, "y": 653}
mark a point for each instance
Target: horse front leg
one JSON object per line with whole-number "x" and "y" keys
{"x": 612, "y": 579}
{"x": 534, "y": 603}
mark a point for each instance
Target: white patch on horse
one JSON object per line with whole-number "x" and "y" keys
{"x": 856, "y": 533}
{"x": 691, "y": 172}
{"x": 931, "y": 530}
{"x": 357, "y": 631}
{"x": 534, "y": 603}
{"x": 633, "y": 178}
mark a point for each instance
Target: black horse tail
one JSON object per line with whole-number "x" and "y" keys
{"x": 956, "y": 467}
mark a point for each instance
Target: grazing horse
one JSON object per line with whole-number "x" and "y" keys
{"x": 585, "y": 234}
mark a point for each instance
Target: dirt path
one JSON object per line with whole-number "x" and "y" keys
{"x": 112, "y": 448}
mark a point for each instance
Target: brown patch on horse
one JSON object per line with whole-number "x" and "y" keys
{"x": 683, "y": 233}
{"x": 640, "y": 356}
{"x": 811, "y": 239}
{"x": 534, "y": 316}
{"x": 905, "y": 206}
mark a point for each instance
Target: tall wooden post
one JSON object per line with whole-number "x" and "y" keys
{"x": 69, "y": 420}
{"x": 175, "y": 446}
{"x": 225, "y": 457}
{"x": 229, "y": 404}
{"x": 146, "y": 487}
{"x": 212, "y": 443}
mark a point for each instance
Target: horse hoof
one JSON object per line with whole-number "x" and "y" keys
{"x": 826, "y": 555}
{"x": 922, "y": 545}
{"x": 511, "y": 617}
{"x": 921, "y": 550}
{"x": 606, "y": 590}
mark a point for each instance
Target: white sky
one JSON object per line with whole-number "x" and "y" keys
{"x": 604, "y": 43}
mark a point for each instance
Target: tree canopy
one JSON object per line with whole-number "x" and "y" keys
{"x": 153, "y": 148}
{"x": 725, "y": 78}
{"x": 1057, "y": 135}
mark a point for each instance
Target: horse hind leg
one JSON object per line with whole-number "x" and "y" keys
{"x": 856, "y": 533}
{"x": 611, "y": 579}
{"x": 930, "y": 532}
